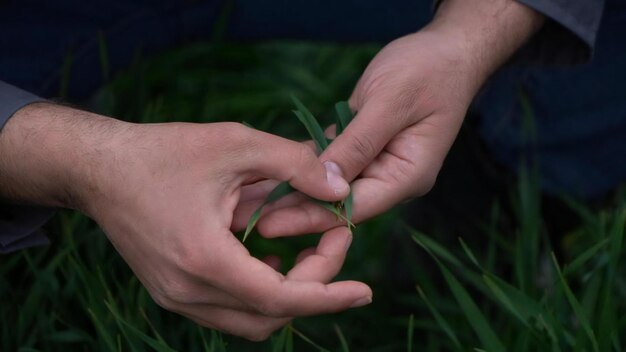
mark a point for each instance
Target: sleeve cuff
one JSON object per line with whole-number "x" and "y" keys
{"x": 19, "y": 225}
{"x": 13, "y": 99}
{"x": 568, "y": 36}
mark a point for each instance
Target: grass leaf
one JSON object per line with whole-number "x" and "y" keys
{"x": 307, "y": 340}
{"x": 310, "y": 123}
{"x": 331, "y": 208}
{"x": 576, "y": 306}
{"x": 278, "y": 192}
{"x": 476, "y": 318}
{"x": 344, "y": 116}
{"x": 441, "y": 321}
{"x": 154, "y": 344}
{"x": 342, "y": 338}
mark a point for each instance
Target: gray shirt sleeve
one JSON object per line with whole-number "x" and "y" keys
{"x": 19, "y": 224}
{"x": 569, "y": 34}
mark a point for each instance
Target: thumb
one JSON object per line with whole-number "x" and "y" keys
{"x": 363, "y": 139}
{"x": 282, "y": 159}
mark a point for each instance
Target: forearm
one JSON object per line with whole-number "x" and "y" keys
{"x": 489, "y": 31}
{"x": 49, "y": 155}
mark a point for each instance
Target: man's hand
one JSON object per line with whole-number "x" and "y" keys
{"x": 410, "y": 104}
{"x": 165, "y": 194}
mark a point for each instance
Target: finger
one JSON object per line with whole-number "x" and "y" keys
{"x": 273, "y": 294}
{"x": 252, "y": 197}
{"x": 304, "y": 254}
{"x": 303, "y": 217}
{"x": 331, "y": 131}
{"x": 272, "y": 261}
{"x": 281, "y": 159}
{"x": 248, "y": 325}
{"x": 363, "y": 139}
{"x": 371, "y": 197}
{"x": 324, "y": 264}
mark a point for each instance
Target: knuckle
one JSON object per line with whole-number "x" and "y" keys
{"x": 271, "y": 308}
{"x": 365, "y": 146}
{"x": 361, "y": 152}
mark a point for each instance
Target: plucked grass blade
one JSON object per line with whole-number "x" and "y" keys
{"x": 347, "y": 205}
{"x": 278, "y": 192}
{"x": 441, "y": 321}
{"x": 331, "y": 208}
{"x": 477, "y": 319}
{"x": 576, "y": 306}
{"x": 342, "y": 338}
{"x": 344, "y": 116}
{"x": 310, "y": 123}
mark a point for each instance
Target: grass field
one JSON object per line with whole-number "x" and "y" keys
{"x": 505, "y": 291}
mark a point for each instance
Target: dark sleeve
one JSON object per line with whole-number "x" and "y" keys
{"x": 569, "y": 34}
{"x": 19, "y": 225}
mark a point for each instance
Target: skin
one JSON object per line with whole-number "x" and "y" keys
{"x": 165, "y": 194}
{"x": 410, "y": 103}
{"x": 168, "y": 196}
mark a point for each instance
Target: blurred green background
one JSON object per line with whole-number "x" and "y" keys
{"x": 498, "y": 290}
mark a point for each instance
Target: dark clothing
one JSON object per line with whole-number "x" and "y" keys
{"x": 37, "y": 38}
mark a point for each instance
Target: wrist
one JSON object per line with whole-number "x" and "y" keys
{"x": 486, "y": 33}
{"x": 51, "y": 155}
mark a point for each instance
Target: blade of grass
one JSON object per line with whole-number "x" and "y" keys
{"x": 435, "y": 247}
{"x": 307, "y": 340}
{"x": 156, "y": 345}
{"x": 409, "y": 333}
{"x": 331, "y": 208}
{"x": 310, "y": 123}
{"x": 476, "y": 318}
{"x": 470, "y": 254}
{"x": 441, "y": 321}
{"x": 583, "y": 258}
{"x": 576, "y": 306}
{"x": 347, "y": 205}
{"x": 608, "y": 316}
{"x": 278, "y": 192}
{"x": 342, "y": 338}
{"x": 344, "y": 116}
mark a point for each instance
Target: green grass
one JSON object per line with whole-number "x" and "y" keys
{"x": 503, "y": 291}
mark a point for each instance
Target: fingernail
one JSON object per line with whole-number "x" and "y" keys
{"x": 348, "y": 241}
{"x": 334, "y": 178}
{"x": 362, "y": 302}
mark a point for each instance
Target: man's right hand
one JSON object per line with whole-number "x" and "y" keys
{"x": 165, "y": 195}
